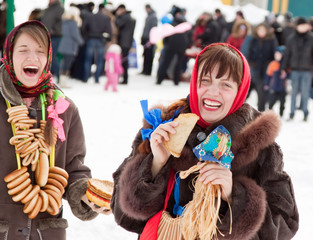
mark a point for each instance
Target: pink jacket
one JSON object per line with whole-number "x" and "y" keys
{"x": 113, "y": 63}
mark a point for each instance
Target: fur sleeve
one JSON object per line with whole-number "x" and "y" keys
{"x": 248, "y": 210}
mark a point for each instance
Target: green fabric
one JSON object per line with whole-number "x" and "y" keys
{"x": 10, "y": 16}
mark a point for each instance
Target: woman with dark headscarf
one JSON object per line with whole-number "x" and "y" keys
{"x": 42, "y": 142}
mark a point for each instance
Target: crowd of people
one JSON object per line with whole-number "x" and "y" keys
{"x": 79, "y": 41}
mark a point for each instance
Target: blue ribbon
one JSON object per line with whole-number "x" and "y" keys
{"x": 177, "y": 209}
{"x": 153, "y": 117}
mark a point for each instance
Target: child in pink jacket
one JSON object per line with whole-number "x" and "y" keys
{"x": 113, "y": 66}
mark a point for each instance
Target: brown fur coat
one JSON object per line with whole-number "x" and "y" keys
{"x": 263, "y": 203}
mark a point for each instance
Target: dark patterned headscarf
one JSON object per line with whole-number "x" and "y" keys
{"x": 45, "y": 80}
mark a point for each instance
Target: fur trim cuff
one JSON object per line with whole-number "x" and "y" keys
{"x": 49, "y": 223}
{"x": 4, "y": 226}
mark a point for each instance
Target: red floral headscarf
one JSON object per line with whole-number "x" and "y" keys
{"x": 45, "y": 81}
{"x": 242, "y": 91}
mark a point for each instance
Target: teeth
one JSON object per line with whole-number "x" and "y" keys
{"x": 31, "y": 67}
{"x": 211, "y": 103}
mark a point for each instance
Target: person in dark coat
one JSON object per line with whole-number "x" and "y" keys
{"x": 148, "y": 48}
{"x": 96, "y": 36}
{"x": 299, "y": 61}
{"x": 174, "y": 48}
{"x": 52, "y": 18}
{"x": 259, "y": 191}
{"x": 26, "y": 81}
{"x": 222, "y": 24}
{"x": 125, "y": 24}
{"x": 259, "y": 54}
{"x": 211, "y": 32}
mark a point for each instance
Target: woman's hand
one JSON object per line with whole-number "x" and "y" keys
{"x": 218, "y": 175}
{"x": 102, "y": 210}
{"x": 159, "y": 151}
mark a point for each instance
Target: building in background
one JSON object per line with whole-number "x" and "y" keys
{"x": 296, "y": 7}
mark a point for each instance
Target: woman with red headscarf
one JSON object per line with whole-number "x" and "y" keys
{"x": 259, "y": 193}
{"x": 42, "y": 142}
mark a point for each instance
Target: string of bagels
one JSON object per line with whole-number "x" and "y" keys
{"x": 34, "y": 151}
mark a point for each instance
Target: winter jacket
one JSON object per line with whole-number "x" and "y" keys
{"x": 126, "y": 27}
{"x": 95, "y": 25}
{"x": 210, "y": 34}
{"x": 263, "y": 203}
{"x": 52, "y": 18}
{"x": 273, "y": 78}
{"x": 260, "y": 53}
{"x": 234, "y": 38}
{"x": 151, "y": 21}
{"x": 177, "y": 42}
{"x": 113, "y": 63}
{"x": 69, "y": 155}
{"x": 299, "y": 52}
{"x": 71, "y": 38}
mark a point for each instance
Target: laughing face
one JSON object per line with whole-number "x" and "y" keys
{"x": 215, "y": 95}
{"x": 29, "y": 60}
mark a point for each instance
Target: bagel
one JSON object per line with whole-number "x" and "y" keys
{"x": 57, "y": 184}
{"x": 20, "y": 187}
{"x": 30, "y": 149}
{"x": 53, "y": 208}
{"x": 22, "y": 143}
{"x": 57, "y": 197}
{"x": 29, "y": 206}
{"x": 53, "y": 188}
{"x": 59, "y": 178}
{"x": 42, "y": 170}
{"x": 45, "y": 200}
{"x": 23, "y": 148}
{"x": 17, "y": 172}
{"x": 16, "y": 109}
{"x": 22, "y": 194}
{"x": 60, "y": 171}
{"x": 16, "y": 137}
{"x": 32, "y": 194}
{"x": 17, "y": 181}
{"x": 36, "y": 209}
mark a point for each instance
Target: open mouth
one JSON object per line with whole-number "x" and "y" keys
{"x": 211, "y": 104}
{"x": 31, "y": 70}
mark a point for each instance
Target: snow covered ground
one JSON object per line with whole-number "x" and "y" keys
{"x": 111, "y": 121}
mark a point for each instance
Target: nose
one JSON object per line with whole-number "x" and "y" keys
{"x": 213, "y": 89}
{"x": 33, "y": 56}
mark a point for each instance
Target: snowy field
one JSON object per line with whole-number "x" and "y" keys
{"x": 111, "y": 121}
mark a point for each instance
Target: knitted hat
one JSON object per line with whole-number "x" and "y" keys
{"x": 301, "y": 20}
{"x": 280, "y": 49}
